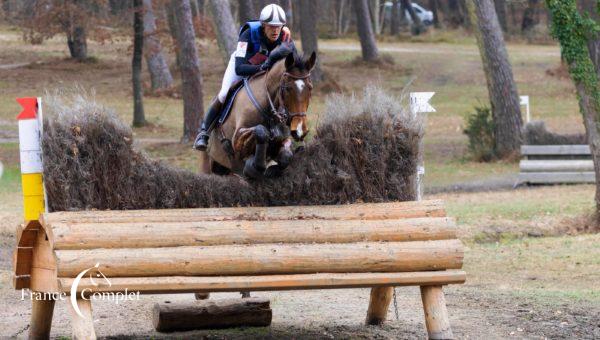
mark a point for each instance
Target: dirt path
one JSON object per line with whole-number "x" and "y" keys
{"x": 474, "y": 313}
{"x": 444, "y": 49}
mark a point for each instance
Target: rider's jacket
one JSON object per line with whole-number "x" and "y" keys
{"x": 253, "y": 48}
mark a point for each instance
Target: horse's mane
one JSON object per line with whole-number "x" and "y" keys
{"x": 281, "y": 53}
{"x": 300, "y": 63}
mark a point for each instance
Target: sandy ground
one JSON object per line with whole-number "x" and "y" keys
{"x": 338, "y": 314}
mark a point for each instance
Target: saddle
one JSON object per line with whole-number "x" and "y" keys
{"x": 230, "y": 98}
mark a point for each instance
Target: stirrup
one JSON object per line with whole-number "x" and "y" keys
{"x": 201, "y": 142}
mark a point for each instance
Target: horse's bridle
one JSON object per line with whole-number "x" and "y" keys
{"x": 283, "y": 114}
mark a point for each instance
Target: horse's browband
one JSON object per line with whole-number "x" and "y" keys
{"x": 287, "y": 74}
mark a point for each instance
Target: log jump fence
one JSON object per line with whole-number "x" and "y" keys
{"x": 370, "y": 245}
{"x": 378, "y": 245}
{"x": 556, "y": 164}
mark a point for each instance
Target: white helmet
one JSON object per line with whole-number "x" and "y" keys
{"x": 272, "y": 15}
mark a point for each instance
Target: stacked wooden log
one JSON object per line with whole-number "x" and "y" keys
{"x": 247, "y": 249}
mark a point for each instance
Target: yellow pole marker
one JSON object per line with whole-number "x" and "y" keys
{"x": 30, "y": 147}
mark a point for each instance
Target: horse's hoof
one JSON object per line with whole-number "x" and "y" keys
{"x": 274, "y": 171}
{"x": 251, "y": 171}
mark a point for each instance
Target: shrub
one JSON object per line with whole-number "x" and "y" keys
{"x": 480, "y": 131}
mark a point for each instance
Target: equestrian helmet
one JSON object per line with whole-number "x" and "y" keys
{"x": 272, "y": 15}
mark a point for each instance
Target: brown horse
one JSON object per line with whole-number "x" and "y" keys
{"x": 250, "y": 139}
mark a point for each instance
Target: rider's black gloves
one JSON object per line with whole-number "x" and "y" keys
{"x": 265, "y": 66}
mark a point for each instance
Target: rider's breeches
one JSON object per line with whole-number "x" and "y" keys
{"x": 229, "y": 78}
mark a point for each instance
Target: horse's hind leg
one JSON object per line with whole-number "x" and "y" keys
{"x": 255, "y": 166}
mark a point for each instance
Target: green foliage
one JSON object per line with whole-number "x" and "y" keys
{"x": 480, "y": 131}
{"x": 573, "y": 31}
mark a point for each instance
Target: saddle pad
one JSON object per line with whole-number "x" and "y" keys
{"x": 229, "y": 101}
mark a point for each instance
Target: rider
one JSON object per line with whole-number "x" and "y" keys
{"x": 256, "y": 41}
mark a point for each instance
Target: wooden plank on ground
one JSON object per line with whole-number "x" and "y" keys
{"x": 191, "y": 284}
{"x": 556, "y": 177}
{"x": 211, "y": 314}
{"x": 575, "y": 165}
{"x": 532, "y": 150}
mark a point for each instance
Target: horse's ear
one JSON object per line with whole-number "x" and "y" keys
{"x": 289, "y": 61}
{"x": 311, "y": 62}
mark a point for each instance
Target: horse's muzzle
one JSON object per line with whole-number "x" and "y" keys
{"x": 297, "y": 137}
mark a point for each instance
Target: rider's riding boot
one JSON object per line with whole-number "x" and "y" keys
{"x": 211, "y": 115}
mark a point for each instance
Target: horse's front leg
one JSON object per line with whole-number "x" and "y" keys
{"x": 283, "y": 159}
{"x": 255, "y": 166}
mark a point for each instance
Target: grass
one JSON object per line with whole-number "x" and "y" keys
{"x": 9, "y": 155}
{"x": 552, "y": 268}
{"x": 521, "y": 205}
{"x": 453, "y": 171}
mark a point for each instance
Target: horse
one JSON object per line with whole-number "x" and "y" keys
{"x": 260, "y": 128}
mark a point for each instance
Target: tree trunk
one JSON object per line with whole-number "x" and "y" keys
{"x": 200, "y": 4}
{"x": 117, "y": 6}
{"x": 365, "y": 31}
{"x": 403, "y": 9}
{"x": 160, "y": 76}
{"x": 77, "y": 42}
{"x": 347, "y": 17}
{"x": 172, "y": 21}
{"x": 224, "y": 27}
{"x": 417, "y": 25}
{"x": 288, "y": 9}
{"x": 514, "y": 22}
{"x": 259, "y": 5}
{"x": 374, "y": 10}
{"x": 139, "y": 118}
{"x": 443, "y": 12}
{"x": 190, "y": 69}
{"x": 531, "y": 16}
{"x": 395, "y": 22}
{"x": 455, "y": 15}
{"x": 580, "y": 49}
{"x": 434, "y": 9}
{"x": 502, "y": 89}
{"x": 500, "y": 6}
{"x": 195, "y": 11}
{"x": 462, "y": 6}
{"x": 308, "y": 33}
{"x": 6, "y": 9}
{"x": 246, "y": 11}
{"x": 591, "y": 110}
